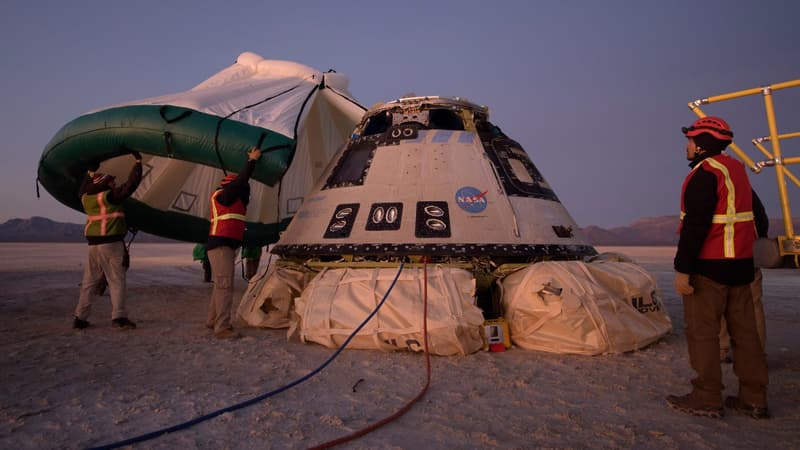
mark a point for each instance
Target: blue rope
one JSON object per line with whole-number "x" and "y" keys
{"x": 246, "y": 403}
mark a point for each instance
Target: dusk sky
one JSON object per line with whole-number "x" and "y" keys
{"x": 595, "y": 91}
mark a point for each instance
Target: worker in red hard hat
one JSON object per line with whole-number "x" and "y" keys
{"x": 713, "y": 272}
{"x": 713, "y": 126}
{"x": 226, "y": 232}
{"x": 718, "y": 129}
{"x": 105, "y": 233}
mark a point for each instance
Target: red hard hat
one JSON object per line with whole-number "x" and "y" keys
{"x": 227, "y": 179}
{"x": 712, "y": 125}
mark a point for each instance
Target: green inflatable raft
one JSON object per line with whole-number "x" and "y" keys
{"x": 170, "y": 132}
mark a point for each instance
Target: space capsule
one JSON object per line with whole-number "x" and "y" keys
{"x": 439, "y": 223}
{"x": 432, "y": 176}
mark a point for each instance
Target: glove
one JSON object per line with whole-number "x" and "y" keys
{"x": 136, "y": 155}
{"x": 682, "y": 284}
{"x": 254, "y": 154}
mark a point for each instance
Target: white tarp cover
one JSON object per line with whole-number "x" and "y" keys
{"x": 336, "y": 301}
{"x": 269, "y": 298}
{"x": 584, "y": 308}
{"x": 282, "y": 96}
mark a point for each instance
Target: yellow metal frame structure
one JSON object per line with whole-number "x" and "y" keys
{"x": 788, "y": 244}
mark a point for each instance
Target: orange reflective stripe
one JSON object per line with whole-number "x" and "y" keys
{"x": 216, "y": 217}
{"x": 738, "y": 217}
{"x": 229, "y": 216}
{"x": 214, "y": 213}
{"x": 104, "y": 217}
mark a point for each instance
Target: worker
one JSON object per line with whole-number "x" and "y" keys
{"x": 713, "y": 272}
{"x": 105, "y": 232}
{"x": 226, "y": 233}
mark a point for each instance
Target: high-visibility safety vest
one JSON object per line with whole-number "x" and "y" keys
{"x": 733, "y": 230}
{"x": 103, "y": 218}
{"x": 227, "y": 221}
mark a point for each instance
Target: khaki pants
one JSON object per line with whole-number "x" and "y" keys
{"x": 758, "y": 305}
{"x": 104, "y": 260}
{"x": 703, "y": 311}
{"x": 222, "y": 261}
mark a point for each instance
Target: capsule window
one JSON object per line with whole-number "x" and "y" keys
{"x": 352, "y": 166}
{"x": 444, "y": 119}
{"x": 378, "y": 123}
{"x": 520, "y": 171}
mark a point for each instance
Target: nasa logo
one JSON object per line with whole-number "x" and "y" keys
{"x": 471, "y": 200}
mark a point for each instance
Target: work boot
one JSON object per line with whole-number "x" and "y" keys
{"x": 123, "y": 323}
{"x": 227, "y": 334}
{"x": 690, "y": 404}
{"x": 756, "y": 412}
{"x": 80, "y": 324}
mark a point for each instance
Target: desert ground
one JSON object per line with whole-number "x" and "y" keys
{"x": 62, "y": 388}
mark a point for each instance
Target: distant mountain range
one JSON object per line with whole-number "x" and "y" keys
{"x": 648, "y": 231}
{"x": 41, "y": 229}
{"x": 655, "y": 231}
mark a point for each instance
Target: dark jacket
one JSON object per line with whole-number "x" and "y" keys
{"x": 700, "y": 200}
{"x": 236, "y": 189}
{"x": 116, "y": 196}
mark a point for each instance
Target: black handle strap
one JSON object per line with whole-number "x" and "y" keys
{"x": 168, "y": 143}
{"x": 163, "y": 113}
